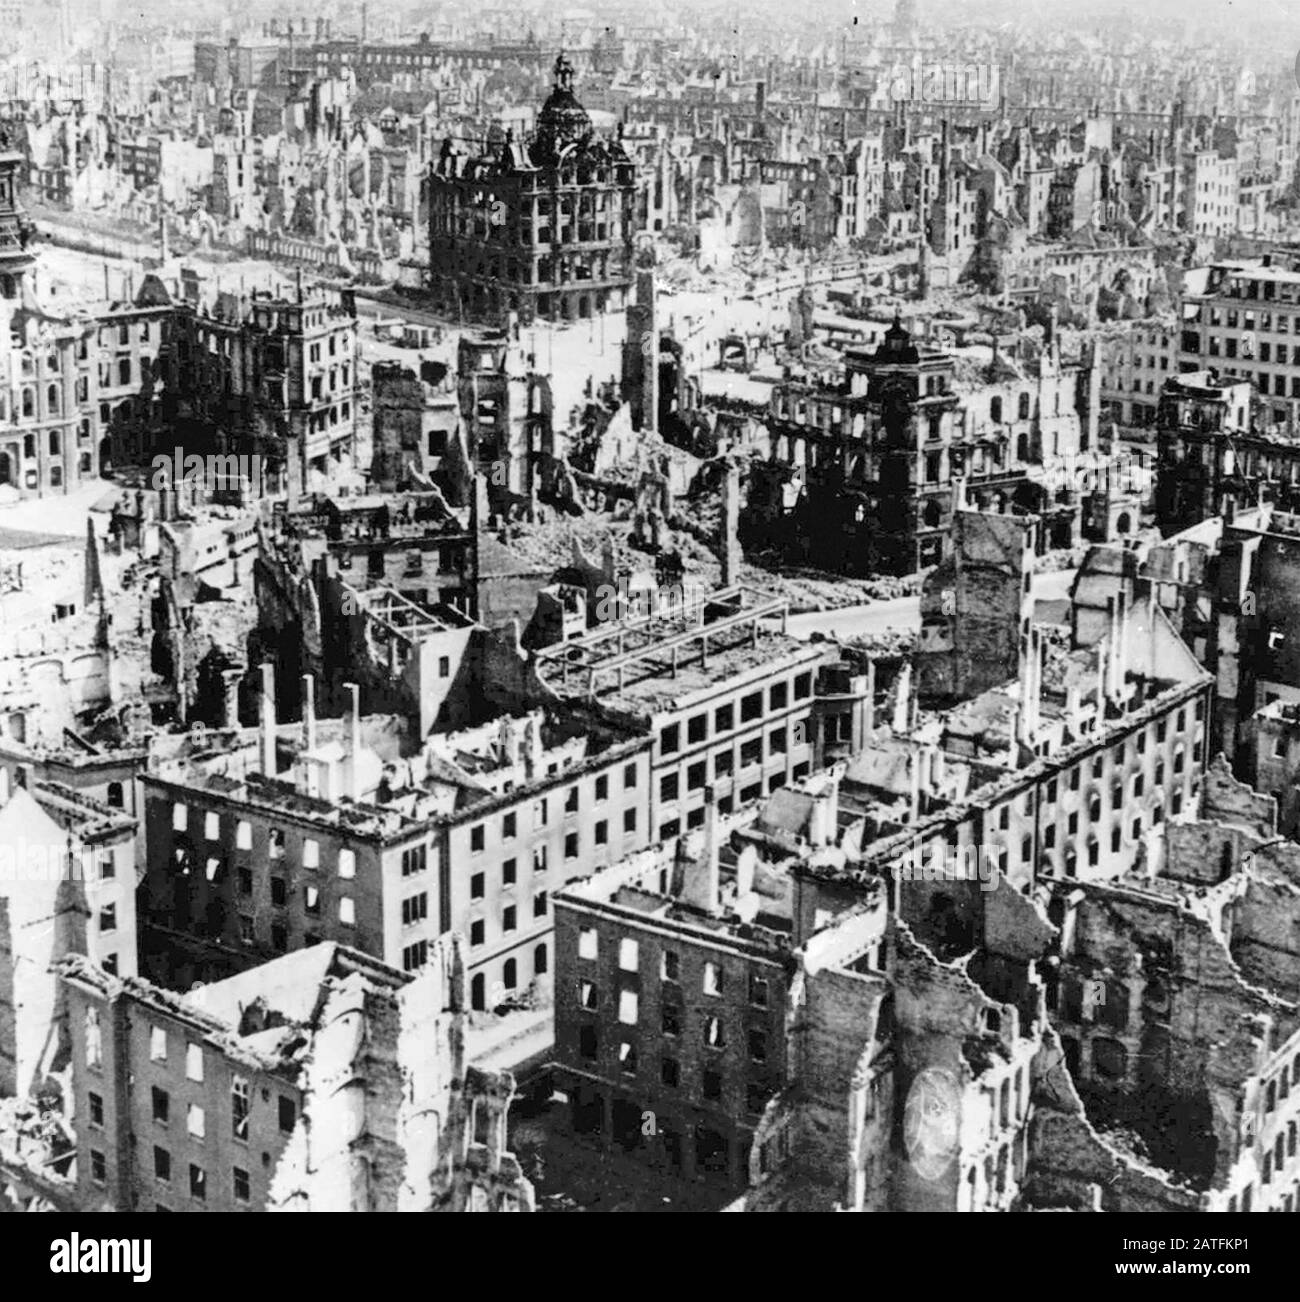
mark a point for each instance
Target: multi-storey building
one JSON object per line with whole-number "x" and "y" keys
{"x": 880, "y": 447}
{"x": 262, "y": 374}
{"x": 1210, "y": 193}
{"x": 230, "y": 1098}
{"x": 1100, "y": 742}
{"x": 377, "y": 591}
{"x": 1244, "y": 324}
{"x": 67, "y": 886}
{"x": 505, "y": 416}
{"x": 242, "y": 864}
{"x": 1136, "y": 363}
{"x": 384, "y": 849}
{"x": 537, "y": 807}
{"x": 1255, "y": 642}
{"x": 542, "y": 227}
{"x": 730, "y": 701}
{"x": 64, "y": 382}
{"x": 671, "y": 993}
{"x": 1209, "y": 453}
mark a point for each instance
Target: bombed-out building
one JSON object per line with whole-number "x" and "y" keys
{"x": 877, "y": 454}
{"x": 541, "y": 227}
{"x": 229, "y": 1098}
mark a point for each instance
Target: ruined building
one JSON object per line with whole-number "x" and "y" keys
{"x": 1208, "y": 453}
{"x": 266, "y": 373}
{"x": 540, "y": 227}
{"x": 322, "y": 1081}
{"x": 878, "y": 449}
{"x": 72, "y": 379}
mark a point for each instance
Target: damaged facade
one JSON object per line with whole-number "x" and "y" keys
{"x": 322, "y": 1081}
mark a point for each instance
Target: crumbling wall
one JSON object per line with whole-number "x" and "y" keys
{"x": 1071, "y": 1166}
{"x": 1204, "y": 853}
{"x": 978, "y": 647}
{"x": 940, "y": 1017}
{"x": 1178, "y": 1034}
{"x": 507, "y": 680}
{"x": 1017, "y": 934}
{"x": 1225, "y": 800}
{"x": 475, "y": 1171}
{"x": 846, "y": 1019}
{"x": 431, "y": 1053}
{"x": 1265, "y": 940}
{"x": 346, "y": 1154}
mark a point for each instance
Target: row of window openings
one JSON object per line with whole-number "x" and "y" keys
{"x": 1283, "y": 1150}
{"x": 1138, "y": 780}
{"x": 670, "y": 967}
{"x": 509, "y": 919}
{"x": 1281, "y": 1088}
{"x": 241, "y": 1184}
{"x": 697, "y": 775}
{"x": 541, "y": 811}
{"x": 311, "y": 895}
{"x": 195, "y": 1116}
{"x": 724, "y": 717}
{"x": 671, "y": 1016}
{"x": 541, "y": 855}
{"x": 670, "y": 1072}
{"x": 240, "y": 1095}
{"x": 414, "y": 859}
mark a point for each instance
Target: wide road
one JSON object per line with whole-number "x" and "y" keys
{"x": 903, "y": 613}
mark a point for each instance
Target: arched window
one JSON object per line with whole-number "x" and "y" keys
{"x": 539, "y": 961}
{"x": 56, "y": 443}
{"x": 29, "y": 402}
{"x": 56, "y": 476}
{"x": 52, "y": 401}
{"x": 116, "y": 798}
{"x": 124, "y": 370}
{"x": 510, "y": 974}
{"x": 477, "y": 1001}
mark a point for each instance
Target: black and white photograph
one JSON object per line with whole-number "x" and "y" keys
{"x": 665, "y": 607}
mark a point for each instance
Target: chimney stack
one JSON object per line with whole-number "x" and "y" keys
{"x": 1119, "y": 646}
{"x": 745, "y": 873}
{"x": 268, "y": 718}
{"x": 354, "y": 739}
{"x": 309, "y": 711}
{"x": 230, "y": 679}
{"x": 702, "y": 884}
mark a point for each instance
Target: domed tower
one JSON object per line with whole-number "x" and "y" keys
{"x": 562, "y": 121}
{"x": 16, "y": 228}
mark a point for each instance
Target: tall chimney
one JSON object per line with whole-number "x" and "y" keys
{"x": 309, "y": 711}
{"x": 230, "y": 679}
{"x": 268, "y": 718}
{"x": 1118, "y": 664}
{"x": 869, "y": 722}
{"x": 702, "y": 883}
{"x": 354, "y": 739}
{"x": 731, "y": 553}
